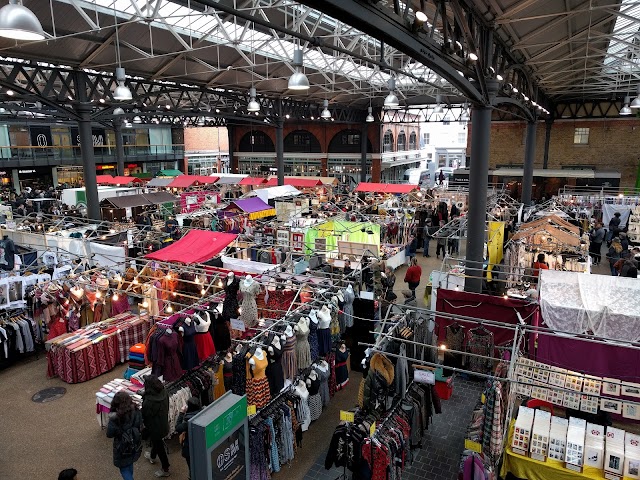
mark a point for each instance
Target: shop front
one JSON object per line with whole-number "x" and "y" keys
{"x": 37, "y": 178}
{"x": 294, "y": 165}
{"x": 69, "y": 177}
{"x": 107, "y": 169}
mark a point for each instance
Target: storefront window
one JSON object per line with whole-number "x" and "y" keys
{"x": 70, "y": 176}
{"x": 402, "y": 142}
{"x": 413, "y": 141}
{"x": 387, "y": 142}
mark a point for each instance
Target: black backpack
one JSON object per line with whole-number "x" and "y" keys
{"x": 130, "y": 442}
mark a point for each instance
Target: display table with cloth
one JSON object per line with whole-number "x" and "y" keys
{"x": 91, "y": 351}
{"x": 530, "y": 469}
{"x": 106, "y": 393}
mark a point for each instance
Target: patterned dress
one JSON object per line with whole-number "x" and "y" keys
{"x": 249, "y": 313}
{"x": 342, "y": 371}
{"x": 303, "y": 351}
{"x": 313, "y": 340}
{"x": 349, "y": 297}
{"x": 230, "y": 304}
{"x": 289, "y": 363}
{"x": 258, "y": 393}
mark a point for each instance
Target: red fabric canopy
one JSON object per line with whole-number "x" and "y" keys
{"x": 122, "y": 180}
{"x": 197, "y": 246}
{"x": 295, "y": 182}
{"x": 386, "y": 187}
{"x": 206, "y": 180}
{"x": 104, "y": 179}
{"x": 252, "y": 181}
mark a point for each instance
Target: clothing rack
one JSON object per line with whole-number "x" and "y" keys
{"x": 391, "y": 412}
{"x": 274, "y": 402}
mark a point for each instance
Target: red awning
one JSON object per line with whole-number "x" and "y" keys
{"x": 183, "y": 181}
{"x": 197, "y": 246}
{"x": 122, "y": 180}
{"x": 295, "y": 182}
{"x": 206, "y": 180}
{"x": 104, "y": 179}
{"x": 252, "y": 181}
{"x": 386, "y": 187}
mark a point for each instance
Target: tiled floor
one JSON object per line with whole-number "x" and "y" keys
{"x": 442, "y": 445}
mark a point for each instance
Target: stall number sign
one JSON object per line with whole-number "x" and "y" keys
{"x": 473, "y": 446}
{"x": 347, "y": 416}
{"x": 237, "y": 324}
{"x": 372, "y": 429}
{"x": 251, "y": 410}
{"x": 424, "y": 376}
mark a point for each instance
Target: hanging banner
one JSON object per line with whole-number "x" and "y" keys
{"x": 494, "y": 245}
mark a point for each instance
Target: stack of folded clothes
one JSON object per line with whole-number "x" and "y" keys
{"x": 136, "y": 360}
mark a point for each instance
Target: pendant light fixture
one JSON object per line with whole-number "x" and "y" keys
{"x": 298, "y": 81}
{"x": 326, "y": 114}
{"x": 121, "y": 93}
{"x": 391, "y": 101}
{"x": 369, "y": 116}
{"x": 19, "y": 23}
{"x": 118, "y": 111}
{"x": 636, "y": 101}
{"x": 438, "y": 107}
{"x": 465, "y": 113}
{"x": 625, "y": 110}
{"x": 253, "y": 105}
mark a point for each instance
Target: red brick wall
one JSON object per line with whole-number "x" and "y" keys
{"x": 614, "y": 144}
{"x": 202, "y": 139}
{"x": 407, "y": 128}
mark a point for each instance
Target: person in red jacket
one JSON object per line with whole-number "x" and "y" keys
{"x": 412, "y": 277}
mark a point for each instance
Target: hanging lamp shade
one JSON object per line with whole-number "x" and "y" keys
{"x": 121, "y": 93}
{"x": 118, "y": 111}
{"x": 325, "y": 109}
{"x": 636, "y": 101}
{"x": 253, "y": 105}
{"x": 369, "y": 118}
{"x": 298, "y": 81}
{"x": 625, "y": 110}
{"x": 438, "y": 107}
{"x": 391, "y": 101}
{"x": 19, "y": 23}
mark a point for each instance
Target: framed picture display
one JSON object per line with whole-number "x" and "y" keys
{"x": 297, "y": 241}
{"x": 283, "y": 237}
{"x": 611, "y": 387}
{"x": 555, "y": 396}
{"x": 557, "y": 377}
{"x": 539, "y": 392}
{"x": 574, "y": 381}
{"x": 631, "y": 410}
{"x": 541, "y": 373}
{"x": 589, "y": 404}
{"x": 631, "y": 389}
{"x": 571, "y": 400}
{"x": 612, "y": 406}
{"x": 592, "y": 385}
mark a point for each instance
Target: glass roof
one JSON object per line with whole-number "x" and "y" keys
{"x": 198, "y": 25}
{"x": 623, "y": 53}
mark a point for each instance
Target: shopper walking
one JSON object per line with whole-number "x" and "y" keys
{"x": 441, "y": 243}
{"x": 155, "y": 413}
{"x": 412, "y": 276}
{"x": 614, "y": 254}
{"x": 125, "y": 424}
{"x": 190, "y": 410}
{"x": 596, "y": 237}
{"x": 426, "y": 237}
{"x": 614, "y": 227}
{"x": 538, "y": 265}
{"x": 388, "y": 282}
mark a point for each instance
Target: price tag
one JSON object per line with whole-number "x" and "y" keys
{"x": 424, "y": 376}
{"x": 372, "y": 429}
{"x": 347, "y": 416}
{"x": 483, "y": 399}
{"x": 473, "y": 446}
{"x": 251, "y": 410}
{"x": 237, "y": 324}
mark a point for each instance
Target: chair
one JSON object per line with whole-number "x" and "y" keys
{"x": 537, "y": 403}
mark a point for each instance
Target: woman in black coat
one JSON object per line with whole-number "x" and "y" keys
{"x": 190, "y": 410}
{"x": 125, "y": 424}
{"x": 155, "y": 413}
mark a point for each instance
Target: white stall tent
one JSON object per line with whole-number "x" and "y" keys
{"x": 576, "y": 303}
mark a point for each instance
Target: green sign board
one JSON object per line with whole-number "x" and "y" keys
{"x": 224, "y": 424}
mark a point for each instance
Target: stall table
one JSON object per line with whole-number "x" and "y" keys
{"x": 89, "y": 352}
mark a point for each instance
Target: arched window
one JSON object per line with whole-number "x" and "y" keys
{"x": 256, "y": 141}
{"x": 301, "y": 141}
{"x": 402, "y": 141}
{"x": 387, "y": 142}
{"x": 413, "y": 141}
{"x": 347, "y": 141}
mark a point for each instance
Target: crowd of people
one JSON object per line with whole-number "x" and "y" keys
{"x": 622, "y": 258}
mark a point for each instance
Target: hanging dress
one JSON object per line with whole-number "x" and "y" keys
{"x": 230, "y": 303}
{"x": 249, "y": 313}
{"x": 227, "y": 373}
{"x": 289, "y": 363}
{"x": 342, "y": 371}
{"x": 257, "y": 383}
{"x": 204, "y": 342}
{"x": 220, "y": 332}
{"x": 303, "y": 351}
{"x": 189, "y": 350}
{"x": 313, "y": 339}
{"x": 275, "y": 373}
{"x": 324, "y": 332}
{"x": 349, "y": 297}
{"x": 315, "y": 400}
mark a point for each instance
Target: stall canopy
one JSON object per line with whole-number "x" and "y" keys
{"x": 184, "y": 181}
{"x": 160, "y": 182}
{"x": 255, "y": 207}
{"x": 197, "y": 246}
{"x": 547, "y": 236}
{"x": 130, "y": 201}
{"x": 122, "y": 180}
{"x": 231, "y": 178}
{"x": 169, "y": 172}
{"x": 272, "y": 193}
{"x": 252, "y": 181}
{"x": 386, "y": 187}
{"x": 104, "y": 179}
{"x": 295, "y": 182}
{"x": 554, "y": 220}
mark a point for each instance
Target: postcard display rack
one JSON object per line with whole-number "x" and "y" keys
{"x": 522, "y": 432}
{"x": 540, "y": 435}
{"x": 558, "y": 438}
{"x": 574, "y": 456}
{"x": 614, "y": 454}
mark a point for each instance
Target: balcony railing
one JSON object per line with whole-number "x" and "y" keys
{"x": 65, "y": 155}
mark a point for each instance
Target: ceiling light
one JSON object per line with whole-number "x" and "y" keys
{"x": 465, "y": 113}
{"x": 526, "y": 99}
{"x": 438, "y": 107}
{"x": 325, "y": 109}
{"x": 392, "y": 100}
{"x": 137, "y": 119}
{"x": 253, "y": 105}
{"x": 122, "y": 93}
{"x": 472, "y": 57}
{"x": 118, "y": 111}
{"x": 369, "y": 116}
{"x": 298, "y": 81}
{"x": 499, "y": 77}
{"x": 11, "y": 93}
{"x": 19, "y": 23}
{"x": 626, "y": 110}
{"x": 634, "y": 104}
{"x": 515, "y": 90}
{"x": 421, "y": 16}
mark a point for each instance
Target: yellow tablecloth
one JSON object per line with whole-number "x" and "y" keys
{"x": 530, "y": 469}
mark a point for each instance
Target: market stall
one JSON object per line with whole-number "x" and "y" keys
{"x": 197, "y": 246}
{"x": 188, "y": 181}
{"x": 247, "y": 208}
{"x": 342, "y": 239}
